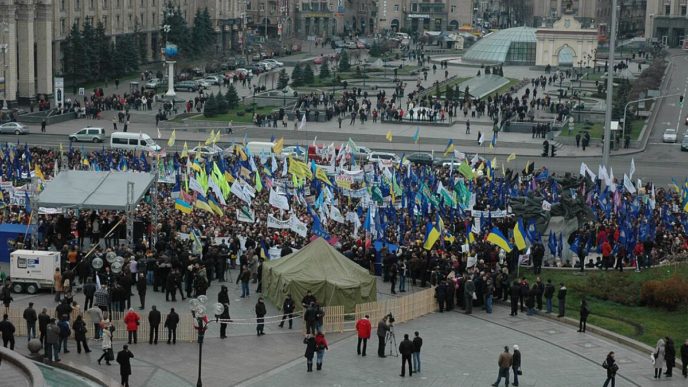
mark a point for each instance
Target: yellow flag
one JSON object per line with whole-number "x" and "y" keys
{"x": 185, "y": 150}
{"x": 210, "y": 138}
{"x": 322, "y": 176}
{"x": 217, "y": 137}
{"x": 229, "y": 177}
{"x": 61, "y": 150}
{"x": 173, "y": 137}
{"x": 503, "y": 172}
{"x": 39, "y": 173}
{"x": 240, "y": 152}
{"x": 511, "y": 157}
{"x": 494, "y": 162}
{"x": 389, "y": 136}
{"x": 277, "y": 148}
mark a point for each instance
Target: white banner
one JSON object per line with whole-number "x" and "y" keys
{"x": 298, "y": 226}
{"x": 239, "y": 192}
{"x": 546, "y": 206}
{"x": 336, "y": 215}
{"x": 279, "y": 201}
{"x": 359, "y": 193}
{"x": 487, "y": 214}
{"x": 246, "y": 218}
{"x": 278, "y": 224}
{"x": 196, "y": 186}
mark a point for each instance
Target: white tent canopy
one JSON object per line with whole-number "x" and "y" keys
{"x": 106, "y": 190}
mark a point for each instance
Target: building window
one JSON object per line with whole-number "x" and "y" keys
{"x": 453, "y": 9}
{"x": 62, "y": 5}
{"x": 142, "y": 20}
{"x": 62, "y": 26}
{"x": 77, "y": 22}
{"x": 117, "y": 22}
{"x": 305, "y": 7}
{"x": 105, "y": 22}
{"x": 396, "y": 7}
{"x": 78, "y": 4}
{"x": 130, "y": 23}
{"x": 261, "y": 7}
{"x": 683, "y": 10}
{"x": 414, "y": 7}
{"x": 105, "y": 4}
{"x": 667, "y": 9}
{"x": 141, "y": 3}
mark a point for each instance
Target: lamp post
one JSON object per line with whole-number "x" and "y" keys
{"x": 284, "y": 96}
{"x": 198, "y": 311}
{"x": 4, "y": 47}
{"x": 610, "y": 91}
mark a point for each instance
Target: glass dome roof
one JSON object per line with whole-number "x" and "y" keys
{"x": 495, "y": 47}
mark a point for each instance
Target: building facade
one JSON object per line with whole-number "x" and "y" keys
{"x": 418, "y": 16}
{"x": 666, "y": 21}
{"x": 631, "y": 18}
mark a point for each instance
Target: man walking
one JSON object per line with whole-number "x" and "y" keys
{"x": 516, "y": 364}
{"x": 7, "y": 330}
{"x": 124, "y": 359}
{"x": 154, "y": 318}
{"x": 363, "y": 328}
{"x": 288, "y": 311}
{"x": 504, "y": 363}
{"x": 561, "y": 296}
{"x": 31, "y": 317}
{"x": 406, "y": 349}
{"x": 171, "y": 324}
{"x": 260, "y": 317}
{"x": 514, "y": 294}
{"x": 417, "y": 343}
{"x": 382, "y": 329}
{"x": 52, "y": 337}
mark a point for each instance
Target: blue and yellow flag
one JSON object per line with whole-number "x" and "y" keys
{"x": 215, "y": 207}
{"x": 202, "y": 203}
{"x": 497, "y": 238}
{"x": 520, "y": 235}
{"x": 183, "y": 206}
{"x": 431, "y": 236}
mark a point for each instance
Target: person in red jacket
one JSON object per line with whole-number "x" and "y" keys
{"x": 363, "y": 328}
{"x": 131, "y": 319}
{"x": 320, "y": 347}
{"x": 607, "y": 258}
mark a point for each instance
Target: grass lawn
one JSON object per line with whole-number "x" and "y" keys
{"x": 232, "y": 115}
{"x": 597, "y": 129}
{"x": 637, "y": 322}
{"x": 512, "y": 83}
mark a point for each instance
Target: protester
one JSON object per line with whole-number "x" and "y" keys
{"x": 363, "y": 329}
{"x": 154, "y": 319}
{"x": 7, "y": 329}
{"x": 260, "y": 317}
{"x": 516, "y": 364}
{"x": 65, "y": 332}
{"x": 561, "y": 296}
{"x": 684, "y": 358}
{"x": 30, "y": 317}
{"x": 584, "y": 313}
{"x": 320, "y": 347}
{"x": 310, "y": 350}
{"x": 505, "y": 361}
{"x": 52, "y": 339}
{"x": 669, "y": 356}
{"x": 287, "y": 311}
{"x": 80, "y": 334}
{"x": 171, "y": 324}
{"x": 106, "y": 343}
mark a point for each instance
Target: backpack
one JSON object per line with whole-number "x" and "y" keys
{"x": 64, "y": 330}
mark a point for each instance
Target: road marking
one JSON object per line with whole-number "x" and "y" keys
{"x": 663, "y": 143}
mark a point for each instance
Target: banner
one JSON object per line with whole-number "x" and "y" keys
{"x": 246, "y": 217}
{"x": 336, "y": 215}
{"x": 238, "y": 191}
{"x": 279, "y": 201}
{"x": 357, "y": 194}
{"x": 344, "y": 181}
{"x": 487, "y": 214}
{"x": 298, "y": 226}
{"x": 278, "y": 224}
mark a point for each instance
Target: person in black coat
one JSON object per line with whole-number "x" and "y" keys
{"x": 89, "y": 290}
{"x": 154, "y": 319}
{"x": 406, "y": 349}
{"x": 441, "y": 295}
{"x": 171, "y": 324}
{"x": 669, "y": 356}
{"x": 80, "y": 334}
{"x": 612, "y": 368}
{"x": 549, "y": 293}
{"x": 224, "y": 316}
{"x": 260, "y": 317}
{"x": 516, "y": 364}
{"x": 43, "y": 320}
{"x": 561, "y": 296}
{"x": 124, "y": 359}
{"x": 310, "y": 350}
{"x": 684, "y": 358}
{"x": 288, "y": 311}
{"x": 515, "y": 294}
{"x": 7, "y": 329}
{"x": 141, "y": 289}
{"x": 584, "y": 312}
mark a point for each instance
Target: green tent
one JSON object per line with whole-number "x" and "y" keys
{"x": 332, "y": 278}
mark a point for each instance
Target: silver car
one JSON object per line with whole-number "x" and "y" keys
{"x": 14, "y": 127}
{"x": 89, "y": 135}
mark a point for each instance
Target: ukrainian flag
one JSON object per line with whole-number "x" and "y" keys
{"x": 183, "y": 206}
{"x": 470, "y": 235}
{"x": 202, "y": 203}
{"x": 519, "y": 235}
{"x": 497, "y": 238}
{"x": 215, "y": 206}
{"x": 431, "y": 236}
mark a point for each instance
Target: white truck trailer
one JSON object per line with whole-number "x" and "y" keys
{"x": 31, "y": 270}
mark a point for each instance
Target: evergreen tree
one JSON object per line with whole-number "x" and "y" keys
{"x": 222, "y": 105}
{"x": 117, "y": 60}
{"x": 126, "y": 46}
{"x": 179, "y": 33}
{"x": 210, "y": 107}
{"x": 344, "y": 64}
{"x": 449, "y": 93}
{"x": 232, "y": 97}
{"x": 102, "y": 49}
{"x": 308, "y": 76}
{"x": 72, "y": 64}
{"x": 324, "y": 71}
{"x": 297, "y": 76}
{"x": 202, "y": 33}
{"x": 88, "y": 55}
{"x": 283, "y": 80}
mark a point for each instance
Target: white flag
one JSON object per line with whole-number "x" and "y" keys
{"x": 632, "y": 171}
{"x": 628, "y": 184}
{"x": 278, "y": 201}
{"x": 611, "y": 180}
{"x": 336, "y": 215}
{"x": 481, "y": 139}
{"x": 273, "y": 165}
{"x": 196, "y": 186}
{"x": 303, "y": 122}
{"x": 284, "y": 167}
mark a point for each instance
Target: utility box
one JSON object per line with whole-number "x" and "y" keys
{"x": 32, "y": 270}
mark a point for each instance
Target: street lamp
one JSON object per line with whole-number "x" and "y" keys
{"x": 4, "y": 47}
{"x": 198, "y": 311}
{"x": 284, "y": 96}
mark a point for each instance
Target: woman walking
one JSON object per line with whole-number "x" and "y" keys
{"x": 611, "y": 367}
{"x": 669, "y": 356}
{"x": 106, "y": 344}
{"x": 320, "y": 347}
{"x": 310, "y": 350}
{"x": 659, "y": 358}
{"x": 584, "y": 312}
{"x": 132, "y": 320}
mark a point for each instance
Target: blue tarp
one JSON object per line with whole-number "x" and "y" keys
{"x": 10, "y": 231}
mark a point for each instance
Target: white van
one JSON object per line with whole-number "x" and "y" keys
{"x": 133, "y": 141}
{"x": 257, "y": 148}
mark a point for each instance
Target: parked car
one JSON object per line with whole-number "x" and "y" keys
{"x": 420, "y": 158}
{"x": 153, "y": 83}
{"x": 212, "y": 79}
{"x": 14, "y": 127}
{"x": 206, "y": 151}
{"x": 256, "y": 68}
{"x": 186, "y": 86}
{"x": 684, "y": 143}
{"x": 266, "y": 65}
{"x": 670, "y": 135}
{"x": 274, "y": 62}
{"x": 202, "y": 84}
{"x": 89, "y": 135}
{"x": 374, "y": 157}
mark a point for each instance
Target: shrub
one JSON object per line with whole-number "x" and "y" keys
{"x": 240, "y": 114}
{"x": 296, "y": 76}
{"x": 324, "y": 71}
{"x": 232, "y": 97}
{"x": 648, "y": 292}
{"x": 210, "y": 107}
{"x": 308, "y": 76}
{"x": 670, "y": 294}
